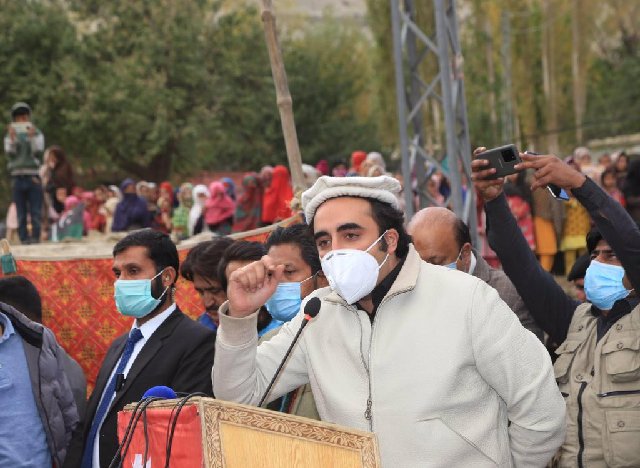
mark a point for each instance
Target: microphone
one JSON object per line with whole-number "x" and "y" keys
{"x": 160, "y": 391}
{"x": 310, "y": 311}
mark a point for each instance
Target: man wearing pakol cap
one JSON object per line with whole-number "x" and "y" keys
{"x": 428, "y": 358}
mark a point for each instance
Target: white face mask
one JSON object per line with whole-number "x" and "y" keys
{"x": 352, "y": 273}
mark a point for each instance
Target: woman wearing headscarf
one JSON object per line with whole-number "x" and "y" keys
{"x": 200, "y": 196}
{"x": 131, "y": 213}
{"x": 219, "y": 210}
{"x": 266, "y": 174}
{"x": 357, "y": 157}
{"x": 93, "y": 219}
{"x": 323, "y": 167}
{"x": 180, "y": 220}
{"x": 229, "y": 187}
{"x": 113, "y": 198}
{"x": 60, "y": 176}
{"x": 632, "y": 190}
{"x": 377, "y": 159}
{"x": 311, "y": 174}
{"x": 249, "y": 207}
{"x": 276, "y": 199}
{"x": 520, "y": 201}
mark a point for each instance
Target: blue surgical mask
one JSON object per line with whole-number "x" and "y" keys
{"x": 453, "y": 265}
{"x": 603, "y": 285}
{"x": 134, "y": 299}
{"x": 285, "y": 303}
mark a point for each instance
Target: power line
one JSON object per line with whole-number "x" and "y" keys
{"x": 584, "y": 125}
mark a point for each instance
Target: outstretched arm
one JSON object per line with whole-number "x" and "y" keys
{"x": 551, "y": 307}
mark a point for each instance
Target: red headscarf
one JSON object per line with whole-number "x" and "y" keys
{"x": 356, "y": 159}
{"x": 275, "y": 203}
{"x": 218, "y": 208}
{"x": 323, "y": 167}
{"x": 167, "y": 186}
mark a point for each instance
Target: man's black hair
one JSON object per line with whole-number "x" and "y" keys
{"x": 461, "y": 232}
{"x": 160, "y": 249}
{"x": 242, "y": 251}
{"x": 206, "y": 264}
{"x": 297, "y": 234}
{"x": 19, "y": 112}
{"x": 386, "y": 217}
{"x": 594, "y": 236}
{"x": 22, "y": 295}
{"x": 186, "y": 269}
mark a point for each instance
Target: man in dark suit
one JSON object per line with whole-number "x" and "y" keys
{"x": 164, "y": 346}
{"x": 441, "y": 238}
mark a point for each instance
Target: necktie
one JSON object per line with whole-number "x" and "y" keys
{"x": 87, "y": 458}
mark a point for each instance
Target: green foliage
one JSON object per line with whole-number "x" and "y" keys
{"x": 614, "y": 97}
{"x": 154, "y": 88}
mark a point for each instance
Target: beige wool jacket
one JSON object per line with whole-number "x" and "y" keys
{"x": 438, "y": 376}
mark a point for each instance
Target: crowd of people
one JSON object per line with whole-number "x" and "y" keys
{"x": 418, "y": 337}
{"x": 48, "y": 204}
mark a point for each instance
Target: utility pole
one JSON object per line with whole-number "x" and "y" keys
{"x": 445, "y": 90}
{"x": 508, "y": 129}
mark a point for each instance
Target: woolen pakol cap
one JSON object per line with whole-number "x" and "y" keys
{"x": 383, "y": 188}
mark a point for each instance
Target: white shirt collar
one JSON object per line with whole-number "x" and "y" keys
{"x": 148, "y": 328}
{"x": 472, "y": 265}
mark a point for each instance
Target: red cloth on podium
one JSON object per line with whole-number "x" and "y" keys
{"x": 186, "y": 448}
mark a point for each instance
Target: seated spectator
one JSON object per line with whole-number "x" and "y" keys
{"x": 598, "y": 365}
{"x": 219, "y": 210}
{"x": 131, "y": 212}
{"x": 180, "y": 219}
{"x": 441, "y": 238}
{"x": 39, "y": 411}
{"x": 249, "y": 207}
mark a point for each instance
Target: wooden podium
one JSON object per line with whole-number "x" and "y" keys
{"x": 240, "y": 436}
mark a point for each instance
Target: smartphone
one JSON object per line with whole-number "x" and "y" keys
{"x": 21, "y": 127}
{"x": 555, "y": 191}
{"x": 502, "y": 159}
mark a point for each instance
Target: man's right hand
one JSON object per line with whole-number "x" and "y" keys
{"x": 251, "y": 286}
{"x": 488, "y": 189}
{"x": 12, "y": 132}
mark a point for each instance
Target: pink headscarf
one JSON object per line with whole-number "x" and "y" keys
{"x": 71, "y": 202}
{"x": 220, "y": 206}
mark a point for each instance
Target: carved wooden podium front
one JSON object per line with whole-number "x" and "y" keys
{"x": 240, "y": 436}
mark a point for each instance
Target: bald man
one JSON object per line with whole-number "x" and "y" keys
{"x": 441, "y": 238}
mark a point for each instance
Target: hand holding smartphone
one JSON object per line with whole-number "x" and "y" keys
{"x": 557, "y": 192}
{"x": 502, "y": 159}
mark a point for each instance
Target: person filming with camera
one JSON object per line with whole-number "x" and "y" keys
{"x": 24, "y": 146}
{"x": 598, "y": 365}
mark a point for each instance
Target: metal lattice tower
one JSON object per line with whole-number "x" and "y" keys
{"x": 444, "y": 94}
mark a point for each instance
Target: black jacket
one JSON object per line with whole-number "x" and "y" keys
{"x": 179, "y": 355}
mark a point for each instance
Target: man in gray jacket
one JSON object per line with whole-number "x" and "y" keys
{"x": 441, "y": 238}
{"x": 39, "y": 412}
{"x": 428, "y": 358}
